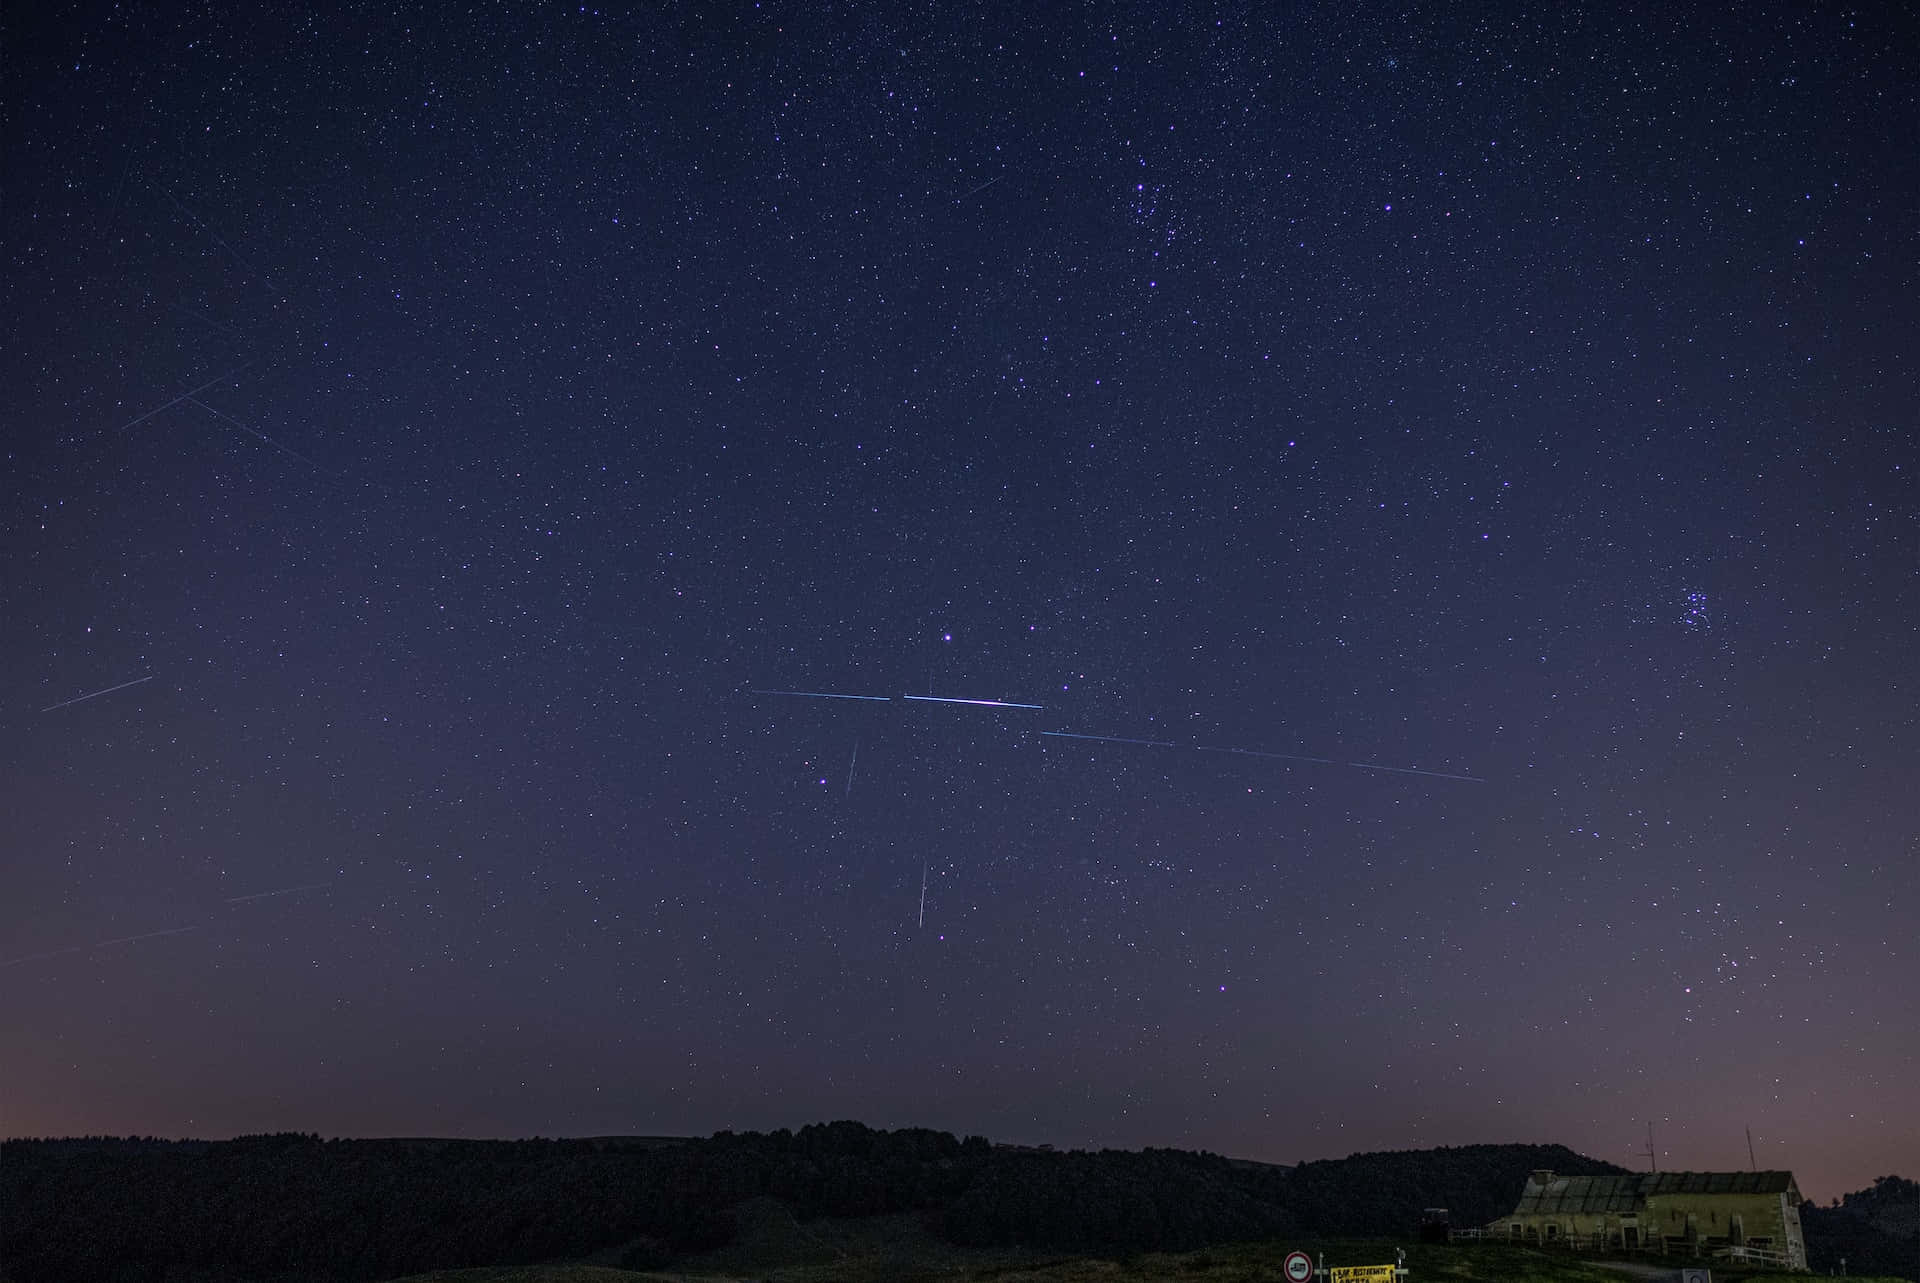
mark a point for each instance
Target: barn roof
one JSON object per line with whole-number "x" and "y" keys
{"x": 1629, "y": 1191}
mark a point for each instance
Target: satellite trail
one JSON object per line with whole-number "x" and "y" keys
{"x": 878, "y": 699}
{"x": 983, "y": 703}
{"x": 81, "y": 699}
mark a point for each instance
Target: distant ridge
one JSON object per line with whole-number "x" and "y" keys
{"x": 352, "y": 1210}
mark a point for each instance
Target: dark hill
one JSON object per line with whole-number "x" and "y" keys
{"x": 1382, "y": 1194}
{"x": 353, "y": 1210}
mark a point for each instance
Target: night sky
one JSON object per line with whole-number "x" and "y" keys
{"x": 1463, "y": 463}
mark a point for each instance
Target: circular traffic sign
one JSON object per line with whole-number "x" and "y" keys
{"x": 1298, "y": 1267}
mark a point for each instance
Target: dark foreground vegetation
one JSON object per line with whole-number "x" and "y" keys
{"x": 1875, "y": 1230}
{"x": 294, "y": 1209}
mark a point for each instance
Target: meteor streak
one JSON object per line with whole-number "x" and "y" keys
{"x": 983, "y": 703}
{"x": 981, "y": 188}
{"x": 1283, "y": 757}
{"x": 268, "y": 895}
{"x": 101, "y": 944}
{"x": 1110, "y": 739}
{"x": 194, "y": 400}
{"x": 183, "y": 397}
{"x": 879, "y": 699}
{"x": 81, "y": 699}
{"x": 1277, "y": 757}
{"x": 1414, "y": 770}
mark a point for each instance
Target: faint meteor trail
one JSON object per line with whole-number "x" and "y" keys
{"x": 983, "y": 703}
{"x": 268, "y": 895}
{"x": 99, "y": 944}
{"x": 1283, "y": 757}
{"x": 251, "y": 270}
{"x": 976, "y": 191}
{"x": 228, "y": 330}
{"x": 155, "y": 935}
{"x": 1110, "y": 739}
{"x": 194, "y": 400}
{"x": 1414, "y": 770}
{"x": 880, "y": 699}
{"x": 183, "y": 397}
{"x": 1120, "y": 739}
{"x": 81, "y": 699}
{"x": 923, "y": 893}
{"x": 1278, "y": 757}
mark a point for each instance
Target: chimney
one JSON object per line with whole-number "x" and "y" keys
{"x": 1541, "y": 1176}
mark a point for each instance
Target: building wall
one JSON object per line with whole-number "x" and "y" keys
{"x": 1679, "y": 1222}
{"x": 1566, "y": 1225}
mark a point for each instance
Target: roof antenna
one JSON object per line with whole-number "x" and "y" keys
{"x": 1653, "y": 1164}
{"x": 1752, "y": 1162}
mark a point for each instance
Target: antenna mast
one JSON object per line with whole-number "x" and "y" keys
{"x": 1653, "y": 1164}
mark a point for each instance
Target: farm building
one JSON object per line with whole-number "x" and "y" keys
{"x": 1683, "y": 1213}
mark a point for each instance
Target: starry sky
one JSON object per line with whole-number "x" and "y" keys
{"x": 1454, "y": 465}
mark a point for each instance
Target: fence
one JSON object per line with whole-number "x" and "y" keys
{"x": 1752, "y": 1256}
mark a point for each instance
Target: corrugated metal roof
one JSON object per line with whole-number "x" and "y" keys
{"x": 1630, "y": 1191}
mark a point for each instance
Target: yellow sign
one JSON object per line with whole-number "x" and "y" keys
{"x": 1362, "y": 1274}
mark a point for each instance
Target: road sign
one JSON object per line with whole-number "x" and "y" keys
{"x": 1298, "y": 1267}
{"x": 1362, "y": 1274}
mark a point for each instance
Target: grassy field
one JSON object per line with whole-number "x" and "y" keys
{"x": 895, "y": 1249}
